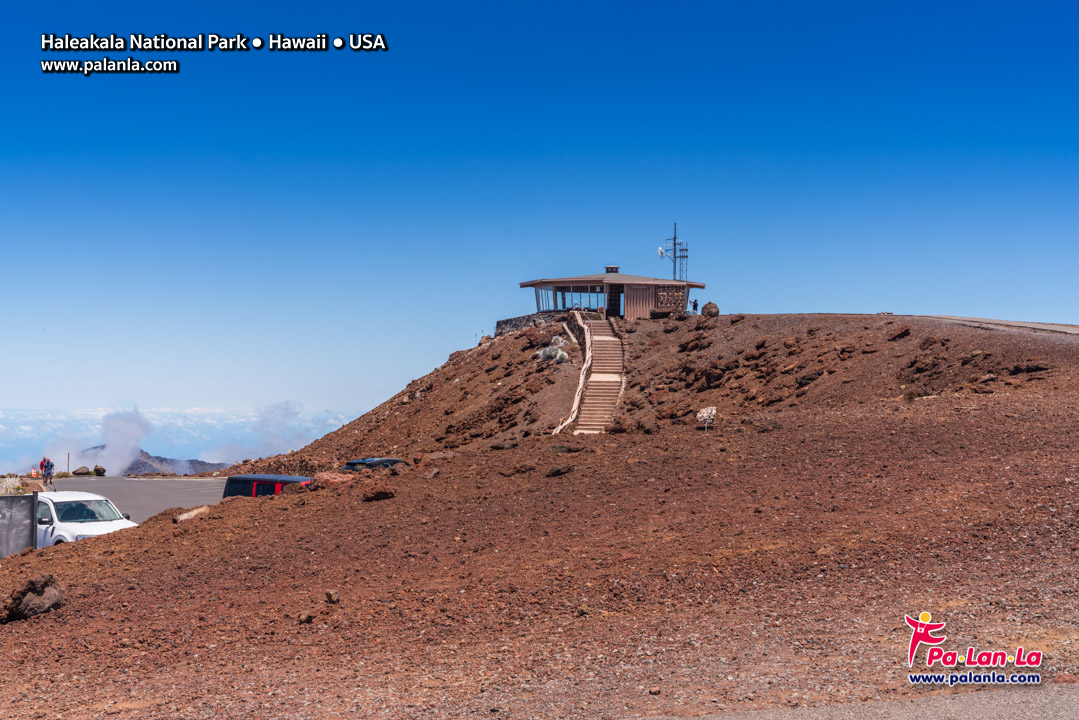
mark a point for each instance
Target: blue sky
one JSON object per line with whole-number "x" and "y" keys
{"x": 320, "y": 228}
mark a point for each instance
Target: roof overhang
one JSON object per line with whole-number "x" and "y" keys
{"x": 609, "y": 279}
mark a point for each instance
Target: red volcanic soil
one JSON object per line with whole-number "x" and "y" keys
{"x": 496, "y": 392}
{"x": 663, "y": 570}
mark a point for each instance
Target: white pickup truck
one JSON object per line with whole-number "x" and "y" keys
{"x": 67, "y": 516}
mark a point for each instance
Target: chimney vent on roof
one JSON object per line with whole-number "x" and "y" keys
{"x": 612, "y": 269}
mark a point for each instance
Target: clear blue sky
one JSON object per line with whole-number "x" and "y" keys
{"x": 320, "y": 228}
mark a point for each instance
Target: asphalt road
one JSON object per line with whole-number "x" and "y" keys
{"x": 1053, "y": 702}
{"x": 145, "y": 497}
{"x": 1044, "y": 327}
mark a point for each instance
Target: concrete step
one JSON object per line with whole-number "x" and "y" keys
{"x": 604, "y": 384}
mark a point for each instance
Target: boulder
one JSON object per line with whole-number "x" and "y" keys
{"x": 557, "y": 470}
{"x": 646, "y": 423}
{"x": 38, "y": 596}
{"x": 899, "y": 334}
{"x": 1029, "y": 367}
{"x": 331, "y": 479}
{"x": 99, "y": 471}
{"x": 375, "y": 493}
{"x": 735, "y": 319}
{"x": 82, "y": 471}
{"x": 191, "y": 514}
{"x": 534, "y": 338}
{"x": 693, "y": 343}
{"x": 710, "y": 309}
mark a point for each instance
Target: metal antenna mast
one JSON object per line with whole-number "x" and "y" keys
{"x": 678, "y": 252}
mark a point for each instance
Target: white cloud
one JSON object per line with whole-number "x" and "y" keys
{"x": 211, "y": 434}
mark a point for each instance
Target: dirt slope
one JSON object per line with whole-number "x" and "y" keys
{"x": 497, "y": 391}
{"x": 766, "y": 562}
{"x": 743, "y": 366}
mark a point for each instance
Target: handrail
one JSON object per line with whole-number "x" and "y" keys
{"x": 585, "y": 370}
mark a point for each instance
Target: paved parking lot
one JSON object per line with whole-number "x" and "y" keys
{"x": 145, "y": 497}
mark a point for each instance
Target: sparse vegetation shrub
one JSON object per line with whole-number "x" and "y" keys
{"x": 707, "y": 416}
{"x": 552, "y": 352}
{"x": 11, "y": 486}
{"x": 64, "y": 475}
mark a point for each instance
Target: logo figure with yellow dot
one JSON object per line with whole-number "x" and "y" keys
{"x": 923, "y": 631}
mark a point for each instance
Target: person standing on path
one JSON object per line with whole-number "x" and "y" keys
{"x": 49, "y": 467}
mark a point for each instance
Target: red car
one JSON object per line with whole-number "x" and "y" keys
{"x": 260, "y": 485}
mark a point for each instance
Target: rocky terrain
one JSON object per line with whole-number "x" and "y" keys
{"x": 861, "y": 468}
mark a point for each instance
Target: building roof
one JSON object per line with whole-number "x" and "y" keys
{"x": 609, "y": 279}
{"x": 275, "y": 478}
{"x": 70, "y": 495}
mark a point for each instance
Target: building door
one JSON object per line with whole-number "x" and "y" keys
{"x": 640, "y": 299}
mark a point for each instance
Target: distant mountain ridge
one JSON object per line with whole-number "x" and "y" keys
{"x": 147, "y": 464}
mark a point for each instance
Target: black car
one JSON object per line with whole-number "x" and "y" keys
{"x": 259, "y": 485}
{"x": 373, "y": 462}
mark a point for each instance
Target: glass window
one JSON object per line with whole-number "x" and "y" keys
{"x": 236, "y": 487}
{"x": 81, "y": 511}
{"x": 44, "y": 512}
{"x": 265, "y": 488}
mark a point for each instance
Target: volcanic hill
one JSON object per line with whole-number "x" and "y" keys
{"x": 147, "y": 464}
{"x": 860, "y": 468}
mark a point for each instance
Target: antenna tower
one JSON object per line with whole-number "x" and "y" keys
{"x": 677, "y": 251}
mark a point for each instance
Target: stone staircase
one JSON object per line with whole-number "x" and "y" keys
{"x": 604, "y": 383}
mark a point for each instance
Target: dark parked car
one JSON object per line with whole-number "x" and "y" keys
{"x": 259, "y": 485}
{"x": 372, "y": 462}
